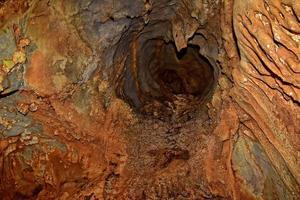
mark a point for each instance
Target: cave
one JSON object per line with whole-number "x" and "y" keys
{"x": 149, "y": 100}
{"x": 161, "y": 75}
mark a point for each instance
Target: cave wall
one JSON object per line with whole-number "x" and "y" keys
{"x": 86, "y": 114}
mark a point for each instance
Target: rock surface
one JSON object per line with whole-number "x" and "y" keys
{"x": 149, "y": 99}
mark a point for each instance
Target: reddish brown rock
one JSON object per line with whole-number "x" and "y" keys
{"x": 149, "y": 99}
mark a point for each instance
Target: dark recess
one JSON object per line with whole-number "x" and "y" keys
{"x": 160, "y": 77}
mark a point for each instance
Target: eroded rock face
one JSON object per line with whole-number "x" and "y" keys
{"x": 152, "y": 99}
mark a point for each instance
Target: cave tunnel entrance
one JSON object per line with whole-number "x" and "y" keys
{"x": 183, "y": 73}
{"x": 160, "y": 81}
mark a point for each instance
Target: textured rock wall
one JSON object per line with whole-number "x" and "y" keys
{"x": 104, "y": 99}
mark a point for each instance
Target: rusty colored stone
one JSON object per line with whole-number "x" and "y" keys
{"x": 149, "y": 99}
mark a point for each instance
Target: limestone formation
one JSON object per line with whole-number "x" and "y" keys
{"x": 149, "y": 99}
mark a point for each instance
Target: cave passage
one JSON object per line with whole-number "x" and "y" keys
{"x": 159, "y": 77}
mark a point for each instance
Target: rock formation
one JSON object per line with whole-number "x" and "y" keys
{"x": 149, "y": 99}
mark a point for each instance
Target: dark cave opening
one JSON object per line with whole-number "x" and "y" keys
{"x": 183, "y": 73}
{"x": 172, "y": 81}
{"x": 157, "y": 78}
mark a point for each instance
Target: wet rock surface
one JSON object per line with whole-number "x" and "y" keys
{"x": 149, "y": 99}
